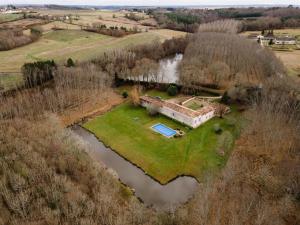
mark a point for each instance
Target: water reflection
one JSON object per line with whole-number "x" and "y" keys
{"x": 168, "y": 69}
{"x": 147, "y": 189}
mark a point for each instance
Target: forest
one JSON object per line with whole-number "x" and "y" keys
{"x": 48, "y": 177}
{"x": 252, "y": 18}
{"x": 226, "y": 59}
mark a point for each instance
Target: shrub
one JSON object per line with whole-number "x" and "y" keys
{"x": 217, "y": 128}
{"x": 70, "y": 62}
{"x": 38, "y": 73}
{"x": 12, "y": 38}
{"x": 125, "y": 94}
{"x": 172, "y": 90}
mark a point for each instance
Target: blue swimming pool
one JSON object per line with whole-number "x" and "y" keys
{"x": 164, "y": 130}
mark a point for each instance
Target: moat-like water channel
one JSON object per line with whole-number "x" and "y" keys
{"x": 151, "y": 192}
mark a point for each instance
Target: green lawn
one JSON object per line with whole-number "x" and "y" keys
{"x": 126, "y": 129}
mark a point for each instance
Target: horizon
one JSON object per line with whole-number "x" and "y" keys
{"x": 151, "y": 3}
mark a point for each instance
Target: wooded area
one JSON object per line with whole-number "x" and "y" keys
{"x": 253, "y": 18}
{"x": 216, "y": 56}
{"x": 47, "y": 177}
{"x": 13, "y": 38}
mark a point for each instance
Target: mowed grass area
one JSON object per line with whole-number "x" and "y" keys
{"x": 62, "y": 44}
{"x": 127, "y": 130}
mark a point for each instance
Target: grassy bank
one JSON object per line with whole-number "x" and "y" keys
{"x": 126, "y": 129}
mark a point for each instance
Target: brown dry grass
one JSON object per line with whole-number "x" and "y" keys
{"x": 291, "y": 59}
{"x": 23, "y": 24}
{"x": 90, "y": 109}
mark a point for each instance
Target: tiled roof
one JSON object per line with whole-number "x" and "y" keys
{"x": 178, "y": 108}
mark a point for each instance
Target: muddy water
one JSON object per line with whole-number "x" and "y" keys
{"x": 148, "y": 190}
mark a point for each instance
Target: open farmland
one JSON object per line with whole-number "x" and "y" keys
{"x": 291, "y": 59}
{"x": 22, "y": 24}
{"x": 109, "y": 18}
{"x": 80, "y": 45}
{"x": 9, "y": 17}
{"x": 289, "y": 55}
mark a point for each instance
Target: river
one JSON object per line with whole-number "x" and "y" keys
{"x": 147, "y": 189}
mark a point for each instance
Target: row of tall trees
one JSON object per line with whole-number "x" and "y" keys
{"x": 221, "y": 26}
{"x": 70, "y": 87}
{"x": 113, "y": 31}
{"x": 140, "y": 62}
{"x": 224, "y": 59}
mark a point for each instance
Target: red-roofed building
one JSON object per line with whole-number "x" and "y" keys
{"x": 181, "y": 113}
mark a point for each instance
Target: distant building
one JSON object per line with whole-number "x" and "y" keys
{"x": 181, "y": 113}
{"x": 271, "y": 39}
{"x": 285, "y": 41}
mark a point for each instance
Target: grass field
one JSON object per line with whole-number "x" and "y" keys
{"x": 9, "y": 17}
{"x": 109, "y": 18}
{"x": 80, "y": 45}
{"x": 291, "y": 59}
{"x": 8, "y": 81}
{"x": 289, "y": 55}
{"x": 126, "y": 129}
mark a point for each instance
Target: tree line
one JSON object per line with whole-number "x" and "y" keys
{"x": 68, "y": 87}
{"x": 216, "y": 56}
{"x": 113, "y": 31}
{"x": 252, "y": 18}
{"x": 13, "y": 38}
{"x": 141, "y": 61}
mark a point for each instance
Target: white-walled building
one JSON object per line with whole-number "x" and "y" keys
{"x": 180, "y": 113}
{"x": 285, "y": 41}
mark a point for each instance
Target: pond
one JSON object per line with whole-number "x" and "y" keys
{"x": 167, "y": 71}
{"x": 147, "y": 189}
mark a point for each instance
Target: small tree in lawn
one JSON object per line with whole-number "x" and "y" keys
{"x": 125, "y": 94}
{"x": 221, "y": 110}
{"x": 172, "y": 90}
{"x": 135, "y": 96}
